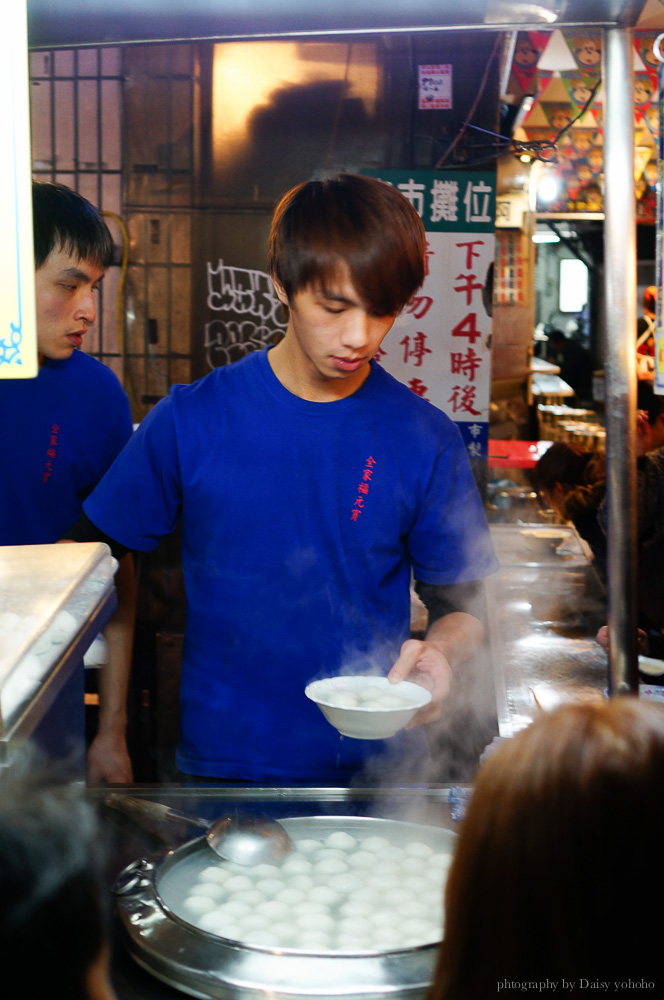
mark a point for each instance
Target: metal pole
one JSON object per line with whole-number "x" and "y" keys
{"x": 620, "y": 357}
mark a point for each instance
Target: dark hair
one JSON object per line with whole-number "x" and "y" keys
{"x": 582, "y": 472}
{"x": 64, "y": 220}
{"x": 564, "y": 463}
{"x": 360, "y": 222}
{"x": 549, "y": 876}
{"x": 647, "y": 400}
{"x": 53, "y": 921}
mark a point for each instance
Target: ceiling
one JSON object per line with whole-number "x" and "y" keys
{"x": 53, "y": 23}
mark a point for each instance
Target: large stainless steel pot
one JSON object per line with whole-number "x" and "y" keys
{"x": 205, "y": 965}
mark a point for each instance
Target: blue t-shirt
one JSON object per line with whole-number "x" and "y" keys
{"x": 62, "y": 431}
{"x": 300, "y": 524}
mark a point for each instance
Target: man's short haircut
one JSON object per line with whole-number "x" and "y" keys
{"x": 361, "y": 222}
{"x": 64, "y": 220}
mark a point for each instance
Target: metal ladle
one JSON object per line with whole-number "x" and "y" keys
{"x": 242, "y": 837}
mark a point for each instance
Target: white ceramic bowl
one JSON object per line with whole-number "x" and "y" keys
{"x": 542, "y": 540}
{"x": 653, "y": 668}
{"x": 367, "y": 720}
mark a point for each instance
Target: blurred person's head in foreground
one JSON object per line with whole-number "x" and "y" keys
{"x": 53, "y": 919}
{"x": 550, "y": 878}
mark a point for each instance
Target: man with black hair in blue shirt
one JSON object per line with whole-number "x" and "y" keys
{"x": 66, "y": 426}
{"x": 309, "y": 484}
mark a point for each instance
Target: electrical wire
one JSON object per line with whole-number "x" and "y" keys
{"x": 538, "y": 149}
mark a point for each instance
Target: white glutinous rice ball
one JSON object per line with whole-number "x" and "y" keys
{"x": 374, "y": 844}
{"x": 352, "y": 925}
{"x": 390, "y": 869}
{"x": 391, "y": 701}
{"x": 413, "y": 866}
{"x": 416, "y": 883}
{"x": 330, "y": 866}
{"x": 414, "y": 908}
{"x": 369, "y": 693}
{"x": 442, "y": 861}
{"x": 323, "y": 894}
{"x": 199, "y": 904}
{"x": 273, "y": 909}
{"x": 384, "y": 918}
{"x": 417, "y": 928}
{"x": 317, "y": 922}
{"x": 366, "y": 895}
{"x": 238, "y": 882}
{"x": 33, "y": 667}
{"x": 380, "y": 882}
{"x": 390, "y": 854}
{"x": 307, "y": 846}
{"x": 353, "y": 942}
{"x": 308, "y": 907}
{"x": 373, "y": 704}
{"x": 250, "y": 896}
{"x": 288, "y": 931}
{"x": 396, "y": 896}
{"x": 294, "y": 866}
{"x": 342, "y": 841}
{"x": 303, "y": 882}
{"x": 418, "y": 850}
{"x": 325, "y": 853}
{"x": 345, "y": 881}
{"x": 236, "y": 908}
{"x": 387, "y": 937}
{"x": 254, "y": 921}
{"x": 267, "y": 871}
{"x": 270, "y": 886}
{"x": 62, "y": 626}
{"x": 215, "y": 890}
{"x": 97, "y": 652}
{"x": 355, "y": 908}
{"x": 362, "y": 859}
{"x": 341, "y": 699}
{"x": 314, "y": 941}
{"x": 432, "y": 897}
{"x": 290, "y": 896}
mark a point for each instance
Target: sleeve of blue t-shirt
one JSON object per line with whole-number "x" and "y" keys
{"x": 138, "y": 501}
{"x": 450, "y": 540}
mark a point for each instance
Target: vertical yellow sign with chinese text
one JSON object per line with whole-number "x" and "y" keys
{"x": 18, "y": 334}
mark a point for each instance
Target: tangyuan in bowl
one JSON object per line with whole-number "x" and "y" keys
{"x": 368, "y": 708}
{"x": 543, "y": 541}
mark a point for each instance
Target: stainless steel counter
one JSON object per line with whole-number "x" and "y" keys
{"x": 544, "y": 611}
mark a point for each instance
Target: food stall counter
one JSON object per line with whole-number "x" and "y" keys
{"x": 545, "y": 604}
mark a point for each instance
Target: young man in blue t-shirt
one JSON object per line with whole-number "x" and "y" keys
{"x": 66, "y": 426}
{"x": 309, "y": 484}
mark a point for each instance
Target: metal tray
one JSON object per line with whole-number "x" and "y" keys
{"x": 205, "y": 965}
